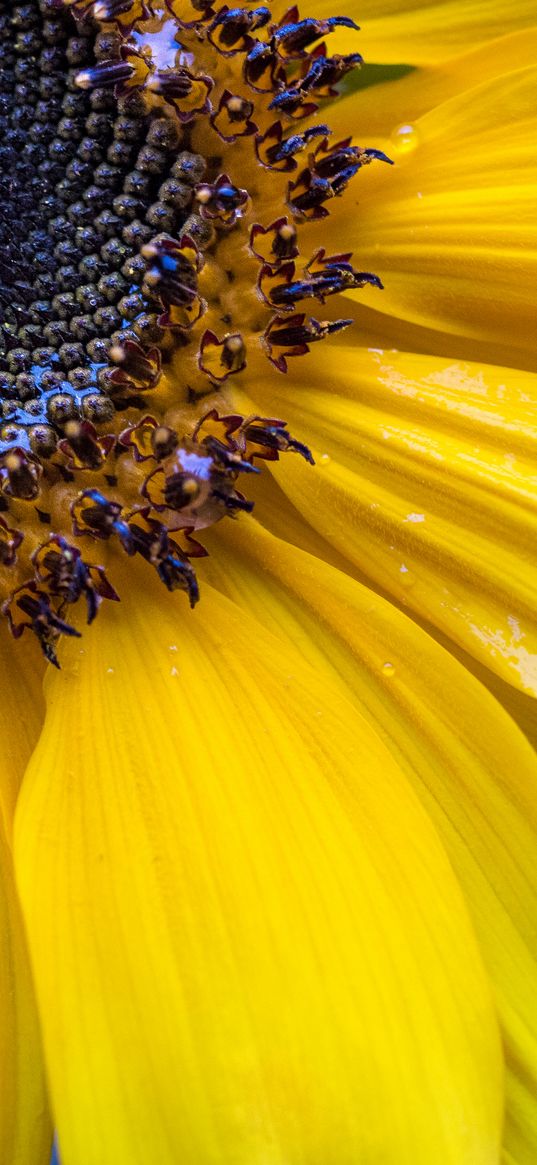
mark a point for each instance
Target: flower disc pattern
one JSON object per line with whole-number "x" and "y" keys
{"x": 158, "y": 168}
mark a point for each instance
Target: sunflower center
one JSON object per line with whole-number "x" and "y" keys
{"x": 87, "y": 180}
{"x": 157, "y": 166}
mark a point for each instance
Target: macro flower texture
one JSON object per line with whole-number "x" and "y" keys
{"x": 268, "y": 568}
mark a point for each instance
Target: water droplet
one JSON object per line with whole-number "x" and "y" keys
{"x": 110, "y": 671}
{"x": 405, "y": 138}
{"x": 174, "y": 671}
{"x": 388, "y": 669}
{"x": 325, "y": 459}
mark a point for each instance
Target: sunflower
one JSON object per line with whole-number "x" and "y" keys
{"x": 268, "y": 864}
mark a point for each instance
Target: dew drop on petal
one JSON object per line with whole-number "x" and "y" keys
{"x": 388, "y": 669}
{"x": 405, "y": 138}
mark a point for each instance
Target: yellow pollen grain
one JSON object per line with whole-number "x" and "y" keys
{"x": 117, "y": 354}
{"x": 203, "y": 195}
{"x": 12, "y": 462}
{"x": 72, "y": 429}
{"x": 83, "y": 80}
{"x": 190, "y": 486}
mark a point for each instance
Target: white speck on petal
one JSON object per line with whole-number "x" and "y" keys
{"x": 523, "y": 661}
{"x": 515, "y": 628}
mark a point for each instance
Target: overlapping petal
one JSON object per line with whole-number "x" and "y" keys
{"x": 25, "y": 1134}
{"x": 452, "y": 229}
{"x": 469, "y": 764}
{"x": 425, "y": 480}
{"x": 247, "y": 941}
{"x": 424, "y": 33}
{"x": 22, "y": 711}
{"x": 386, "y": 100}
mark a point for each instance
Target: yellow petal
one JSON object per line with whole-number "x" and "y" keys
{"x": 247, "y": 941}
{"x": 379, "y": 102}
{"x": 388, "y": 332}
{"x": 522, "y": 708}
{"x": 421, "y": 32}
{"x": 451, "y": 229}
{"x": 469, "y": 764}
{"x": 425, "y": 480}
{"x": 25, "y": 1134}
{"x": 22, "y": 711}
